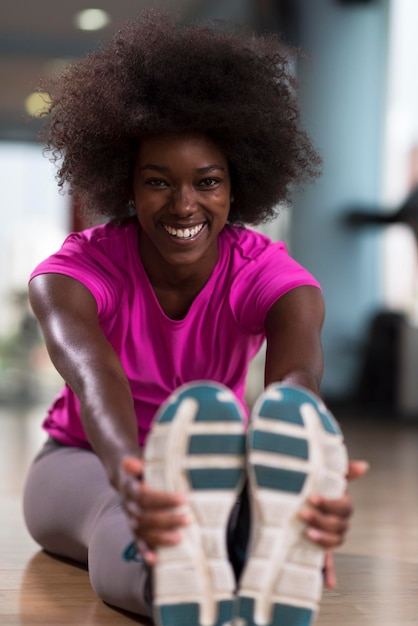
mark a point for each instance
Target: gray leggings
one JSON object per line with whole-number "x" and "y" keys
{"x": 72, "y": 511}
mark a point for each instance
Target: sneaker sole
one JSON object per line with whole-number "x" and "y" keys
{"x": 294, "y": 449}
{"x": 197, "y": 447}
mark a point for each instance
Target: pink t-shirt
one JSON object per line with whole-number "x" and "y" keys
{"x": 222, "y": 331}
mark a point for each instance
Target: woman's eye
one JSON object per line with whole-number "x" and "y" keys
{"x": 209, "y": 182}
{"x": 156, "y": 182}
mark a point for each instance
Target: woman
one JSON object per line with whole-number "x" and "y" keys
{"x": 179, "y": 136}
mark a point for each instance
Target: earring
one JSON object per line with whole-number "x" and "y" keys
{"x": 131, "y": 207}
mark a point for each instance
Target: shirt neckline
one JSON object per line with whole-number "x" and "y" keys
{"x": 201, "y": 297}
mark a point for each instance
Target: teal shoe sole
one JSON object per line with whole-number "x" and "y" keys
{"x": 197, "y": 447}
{"x": 294, "y": 449}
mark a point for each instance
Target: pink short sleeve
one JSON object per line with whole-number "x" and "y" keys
{"x": 90, "y": 266}
{"x": 262, "y": 282}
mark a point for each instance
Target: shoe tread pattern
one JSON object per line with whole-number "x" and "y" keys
{"x": 211, "y": 468}
{"x": 294, "y": 448}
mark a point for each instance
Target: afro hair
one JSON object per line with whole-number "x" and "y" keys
{"x": 159, "y": 75}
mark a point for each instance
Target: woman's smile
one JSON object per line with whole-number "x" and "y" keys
{"x": 184, "y": 234}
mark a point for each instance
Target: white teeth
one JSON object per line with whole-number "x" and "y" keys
{"x": 183, "y": 233}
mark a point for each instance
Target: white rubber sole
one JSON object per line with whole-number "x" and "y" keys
{"x": 197, "y": 447}
{"x": 294, "y": 449}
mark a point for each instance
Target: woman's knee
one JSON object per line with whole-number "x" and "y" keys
{"x": 50, "y": 511}
{"x": 48, "y": 526}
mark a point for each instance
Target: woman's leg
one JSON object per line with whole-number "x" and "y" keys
{"x": 71, "y": 510}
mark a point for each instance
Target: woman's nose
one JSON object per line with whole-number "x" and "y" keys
{"x": 183, "y": 201}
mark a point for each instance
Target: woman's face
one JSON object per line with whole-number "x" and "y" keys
{"x": 182, "y": 194}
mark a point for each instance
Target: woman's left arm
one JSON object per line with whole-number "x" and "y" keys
{"x": 294, "y": 355}
{"x": 293, "y": 330}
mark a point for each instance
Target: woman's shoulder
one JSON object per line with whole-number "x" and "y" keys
{"x": 99, "y": 257}
{"x": 257, "y": 260}
{"x": 102, "y": 249}
{"x": 249, "y": 244}
{"x": 112, "y": 243}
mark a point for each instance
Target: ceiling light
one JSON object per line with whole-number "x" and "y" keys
{"x": 38, "y": 103}
{"x": 91, "y": 19}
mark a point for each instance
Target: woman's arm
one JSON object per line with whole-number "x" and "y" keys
{"x": 293, "y": 330}
{"x": 294, "y": 355}
{"x": 67, "y": 313}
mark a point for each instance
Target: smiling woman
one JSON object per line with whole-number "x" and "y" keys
{"x": 179, "y": 135}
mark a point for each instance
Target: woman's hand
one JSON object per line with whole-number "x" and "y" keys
{"x": 328, "y": 520}
{"x": 152, "y": 515}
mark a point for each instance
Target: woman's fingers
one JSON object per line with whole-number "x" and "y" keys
{"x": 149, "y": 556}
{"x": 326, "y": 531}
{"x": 154, "y": 529}
{"x": 357, "y": 469}
{"x": 340, "y": 507}
{"x": 150, "y": 499}
{"x": 327, "y": 514}
{"x": 327, "y": 520}
{"x": 133, "y": 465}
{"x": 157, "y": 518}
{"x": 330, "y": 578}
{"x": 323, "y": 538}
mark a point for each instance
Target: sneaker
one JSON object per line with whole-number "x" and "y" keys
{"x": 294, "y": 449}
{"x": 197, "y": 446}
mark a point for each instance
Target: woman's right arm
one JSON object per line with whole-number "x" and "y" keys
{"x": 67, "y": 313}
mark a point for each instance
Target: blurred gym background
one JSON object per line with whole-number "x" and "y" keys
{"x": 353, "y": 229}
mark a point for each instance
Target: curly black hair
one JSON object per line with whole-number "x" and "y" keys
{"x": 159, "y": 75}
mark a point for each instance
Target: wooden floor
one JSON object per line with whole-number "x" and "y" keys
{"x": 377, "y": 568}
